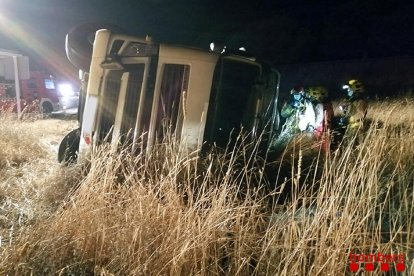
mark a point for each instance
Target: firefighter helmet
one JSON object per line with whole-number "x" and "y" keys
{"x": 355, "y": 86}
{"x": 318, "y": 93}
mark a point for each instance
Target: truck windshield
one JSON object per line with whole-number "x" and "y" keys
{"x": 49, "y": 84}
{"x": 241, "y": 99}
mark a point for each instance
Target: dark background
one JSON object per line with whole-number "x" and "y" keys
{"x": 280, "y": 31}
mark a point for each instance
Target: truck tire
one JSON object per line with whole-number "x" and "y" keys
{"x": 47, "y": 108}
{"x": 79, "y": 42}
{"x": 69, "y": 147}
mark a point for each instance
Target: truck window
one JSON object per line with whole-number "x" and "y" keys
{"x": 133, "y": 93}
{"x": 49, "y": 84}
{"x": 109, "y": 104}
{"x": 31, "y": 84}
{"x": 170, "y": 111}
{"x": 233, "y": 101}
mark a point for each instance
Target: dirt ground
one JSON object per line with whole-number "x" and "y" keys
{"x": 54, "y": 130}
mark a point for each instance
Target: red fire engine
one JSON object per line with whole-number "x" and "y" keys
{"x": 40, "y": 92}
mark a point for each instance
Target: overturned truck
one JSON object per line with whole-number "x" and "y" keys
{"x": 136, "y": 91}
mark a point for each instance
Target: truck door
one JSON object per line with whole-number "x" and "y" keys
{"x": 174, "y": 84}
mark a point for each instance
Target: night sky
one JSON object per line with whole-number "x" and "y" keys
{"x": 281, "y": 32}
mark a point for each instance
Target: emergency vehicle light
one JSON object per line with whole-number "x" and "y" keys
{"x": 66, "y": 90}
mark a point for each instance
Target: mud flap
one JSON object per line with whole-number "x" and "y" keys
{"x": 69, "y": 147}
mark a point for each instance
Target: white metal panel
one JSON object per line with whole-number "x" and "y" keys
{"x": 98, "y": 56}
{"x": 7, "y": 65}
{"x": 88, "y": 125}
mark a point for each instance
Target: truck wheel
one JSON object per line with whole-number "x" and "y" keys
{"x": 79, "y": 42}
{"x": 69, "y": 147}
{"x": 47, "y": 107}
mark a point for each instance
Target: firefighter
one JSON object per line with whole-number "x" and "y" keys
{"x": 300, "y": 118}
{"x": 354, "y": 109}
{"x": 323, "y": 114}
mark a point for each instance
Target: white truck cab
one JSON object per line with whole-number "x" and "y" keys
{"x": 139, "y": 91}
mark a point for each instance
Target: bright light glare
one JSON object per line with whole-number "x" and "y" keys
{"x": 26, "y": 35}
{"x": 66, "y": 90}
{"x": 217, "y": 48}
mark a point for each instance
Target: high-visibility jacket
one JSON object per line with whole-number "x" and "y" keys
{"x": 354, "y": 112}
{"x": 357, "y": 112}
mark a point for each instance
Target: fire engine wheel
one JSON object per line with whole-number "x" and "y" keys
{"x": 79, "y": 42}
{"x": 69, "y": 147}
{"x": 47, "y": 107}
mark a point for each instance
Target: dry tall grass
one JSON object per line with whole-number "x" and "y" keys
{"x": 170, "y": 213}
{"x": 31, "y": 182}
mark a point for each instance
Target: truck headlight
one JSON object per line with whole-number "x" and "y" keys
{"x": 66, "y": 90}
